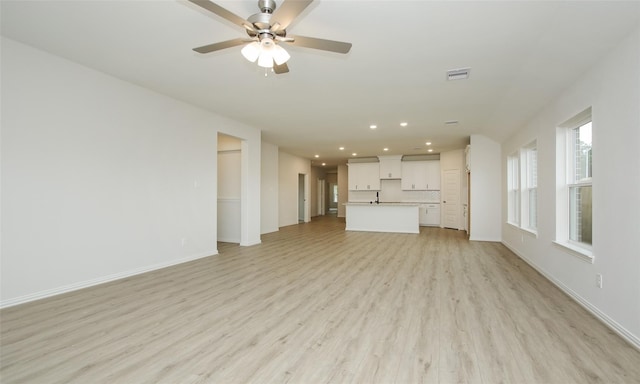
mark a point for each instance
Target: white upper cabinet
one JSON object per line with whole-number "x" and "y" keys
{"x": 390, "y": 167}
{"x": 364, "y": 176}
{"x": 433, "y": 174}
{"x": 420, "y": 175}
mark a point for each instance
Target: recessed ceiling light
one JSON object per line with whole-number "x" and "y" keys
{"x": 323, "y": 164}
{"x": 403, "y": 124}
{"x": 354, "y": 154}
{"x": 430, "y": 150}
{"x": 373, "y": 126}
{"x": 341, "y": 148}
{"x": 316, "y": 156}
{"x": 385, "y": 149}
{"x": 458, "y": 74}
{"x": 428, "y": 143}
{"x": 451, "y": 122}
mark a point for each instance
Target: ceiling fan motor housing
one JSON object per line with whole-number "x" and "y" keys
{"x": 262, "y": 21}
{"x": 267, "y": 6}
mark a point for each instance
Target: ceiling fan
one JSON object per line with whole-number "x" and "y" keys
{"x": 266, "y": 30}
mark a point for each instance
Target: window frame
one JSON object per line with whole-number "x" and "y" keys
{"x": 573, "y": 182}
{"x": 529, "y": 183}
{"x": 565, "y": 181}
{"x": 513, "y": 189}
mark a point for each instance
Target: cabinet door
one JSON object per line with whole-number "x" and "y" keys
{"x": 414, "y": 176}
{"x": 390, "y": 167}
{"x": 433, "y": 174}
{"x": 364, "y": 176}
{"x": 370, "y": 176}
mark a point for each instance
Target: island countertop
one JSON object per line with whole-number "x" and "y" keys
{"x": 382, "y": 203}
{"x": 382, "y": 217}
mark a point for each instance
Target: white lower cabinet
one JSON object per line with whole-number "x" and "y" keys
{"x": 429, "y": 214}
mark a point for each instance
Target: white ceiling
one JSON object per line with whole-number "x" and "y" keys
{"x": 521, "y": 55}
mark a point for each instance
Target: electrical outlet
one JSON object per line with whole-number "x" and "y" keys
{"x": 599, "y": 280}
{"x": 183, "y": 241}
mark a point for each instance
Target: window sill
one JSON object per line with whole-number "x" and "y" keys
{"x": 581, "y": 253}
{"x": 525, "y": 230}
{"x": 514, "y": 225}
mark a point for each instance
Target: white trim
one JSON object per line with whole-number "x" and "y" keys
{"x": 99, "y": 280}
{"x": 606, "y": 320}
{"x": 579, "y": 252}
{"x": 527, "y": 231}
{"x": 253, "y": 243}
{"x": 471, "y": 238}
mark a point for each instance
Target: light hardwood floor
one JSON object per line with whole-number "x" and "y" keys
{"x": 316, "y": 304}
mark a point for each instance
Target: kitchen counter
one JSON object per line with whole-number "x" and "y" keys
{"x": 389, "y": 203}
{"x": 383, "y": 217}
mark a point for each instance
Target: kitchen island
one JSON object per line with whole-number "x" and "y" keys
{"x": 382, "y": 217}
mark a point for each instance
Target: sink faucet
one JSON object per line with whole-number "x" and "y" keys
{"x": 377, "y": 197}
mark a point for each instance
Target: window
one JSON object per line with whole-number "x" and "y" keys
{"x": 579, "y": 183}
{"x": 513, "y": 189}
{"x": 522, "y": 185}
{"x": 530, "y": 187}
{"x": 574, "y": 177}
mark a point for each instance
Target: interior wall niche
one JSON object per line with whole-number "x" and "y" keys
{"x": 229, "y": 190}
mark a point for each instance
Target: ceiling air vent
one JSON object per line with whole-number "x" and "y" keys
{"x": 458, "y": 74}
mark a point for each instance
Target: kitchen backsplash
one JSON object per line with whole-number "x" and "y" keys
{"x": 390, "y": 191}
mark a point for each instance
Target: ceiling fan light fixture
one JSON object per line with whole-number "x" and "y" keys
{"x": 280, "y": 55}
{"x": 265, "y": 60}
{"x": 251, "y": 51}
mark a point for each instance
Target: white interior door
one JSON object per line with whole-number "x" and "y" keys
{"x": 451, "y": 199}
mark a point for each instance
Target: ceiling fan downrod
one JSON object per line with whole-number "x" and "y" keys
{"x": 267, "y": 6}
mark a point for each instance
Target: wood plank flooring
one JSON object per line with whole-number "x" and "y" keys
{"x": 316, "y": 304}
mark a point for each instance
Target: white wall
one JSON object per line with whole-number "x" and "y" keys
{"x": 103, "y": 179}
{"x": 269, "y": 188}
{"x": 343, "y": 189}
{"x": 612, "y": 89}
{"x": 288, "y": 170}
{"x": 486, "y": 192}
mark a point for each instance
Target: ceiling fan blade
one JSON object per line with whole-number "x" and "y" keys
{"x": 325, "y": 45}
{"x": 288, "y": 11}
{"x": 225, "y": 14}
{"x": 282, "y": 68}
{"x": 220, "y": 45}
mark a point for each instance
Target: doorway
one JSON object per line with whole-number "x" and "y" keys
{"x": 321, "y": 197}
{"x": 333, "y": 197}
{"x": 301, "y": 198}
{"x": 229, "y": 189}
{"x": 451, "y": 199}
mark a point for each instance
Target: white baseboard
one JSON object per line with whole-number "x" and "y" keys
{"x": 251, "y": 243}
{"x": 606, "y": 320}
{"x": 494, "y": 240}
{"x": 100, "y": 280}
